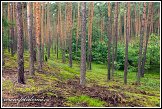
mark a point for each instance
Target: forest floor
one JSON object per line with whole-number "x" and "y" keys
{"x": 57, "y": 85}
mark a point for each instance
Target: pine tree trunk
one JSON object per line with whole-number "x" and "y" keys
{"x": 126, "y": 48}
{"x": 38, "y": 34}
{"x": 90, "y": 17}
{"x": 12, "y": 32}
{"x": 34, "y": 33}
{"x": 109, "y": 41}
{"x": 147, "y": 38}
{"x": 20, "y": 47}
{"x": 31, "y": 61}
{"x": 141, "y": 43}
{"x": 116, "y": 29}
{"x": 83, "y": 45}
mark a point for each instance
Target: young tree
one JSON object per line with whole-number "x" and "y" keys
{"x": 20, "y": 47}
{"x": 141, "y": 43}
{"x": 29, "y": 23}
{"x": 83, "y": 45}
{"x": 109, "y": 40}
{"x": 38, "y": 33}
{"x": 126, "y": 46}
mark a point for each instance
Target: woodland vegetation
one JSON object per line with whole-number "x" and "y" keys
{"x": 81, "y": 54}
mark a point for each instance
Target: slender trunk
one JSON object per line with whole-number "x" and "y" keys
{"x": 34, "y": 31}
{"x": 9, "y": 30}
{"x": 147, "y": 38}
{"x": 83, "y": 45}
{"x": 90, "y": 34}
{"x": 31, "y": 61}
{"x": 126, "y": 48}
{"x": 20, "y": 47}
{"x": 109, "y": 41}
{"x": 38, "y": 34}
{"x": 141, "y": 43}
{"x": 42, "y": 31}
{"x": 12, "y": 31}
{"x": 116, "y": 29}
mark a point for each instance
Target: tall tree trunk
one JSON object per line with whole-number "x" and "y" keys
{"x": 12, "y": 31}
{"x": 20, "y": 47}
{"x": 147, "y": 37}
{"x": 126, "y": 46}
{"x": 91, "y": 10}
{"x": 34, "y": 33}
{"x": 48, "y": 31}
{"x": 69, "y": 32}
{"x": 38, "y": 34}
{"x": 78, "y": 27}
{"x": 9, "y": 30}
{"x": 109, "y": 41}
{"x": 42, "y": 31}
{"x": 116, "y": 29}
{"x": 31, "y": 61}
{"x": 135, "y": 25}
{"x": 141, "y": 43}
{"x": 83, "y": 45}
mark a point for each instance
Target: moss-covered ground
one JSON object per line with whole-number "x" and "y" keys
{"x": 60, "y": 84}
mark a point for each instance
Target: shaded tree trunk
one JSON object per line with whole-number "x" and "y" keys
{"x": 109, "y": 41}
{"x": 126, "y": 42}
{"x": 31, "y": 61}
{"x": 147, "y": 38}
{"x": 12, "y": 30}
{"x": 116, "y": 29}
{"x": 20, "y": 41}
{"x": 34, "y": 33}
{"x": 141, "y": 43}
{"x": 83, "y": 45}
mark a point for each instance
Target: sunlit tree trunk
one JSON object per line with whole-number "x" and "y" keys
{"x": 38, "y": 33}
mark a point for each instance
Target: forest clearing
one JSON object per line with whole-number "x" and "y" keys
{"x": 80, "y": 54}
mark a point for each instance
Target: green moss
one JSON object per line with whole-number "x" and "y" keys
{"x": 7, "y": 85}
{"x": 49, "y": 78}
{"x": 92, "y": 102}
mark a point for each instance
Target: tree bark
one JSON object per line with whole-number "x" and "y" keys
{"x": 109, "y": 41}
{"x": 38, "y": 34}
{"x": 116, "y": 29}
{"x": 147, "y": 38}
{"x": 91, "y": 10}
{"x": 126, "y": 46}
{"x": 34, "y": 33}
{"x": 20, "y": 47}
{"x": 31, "y": 61}
{"x": 141, "y": 43}
{"x": 83, "y": 45}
